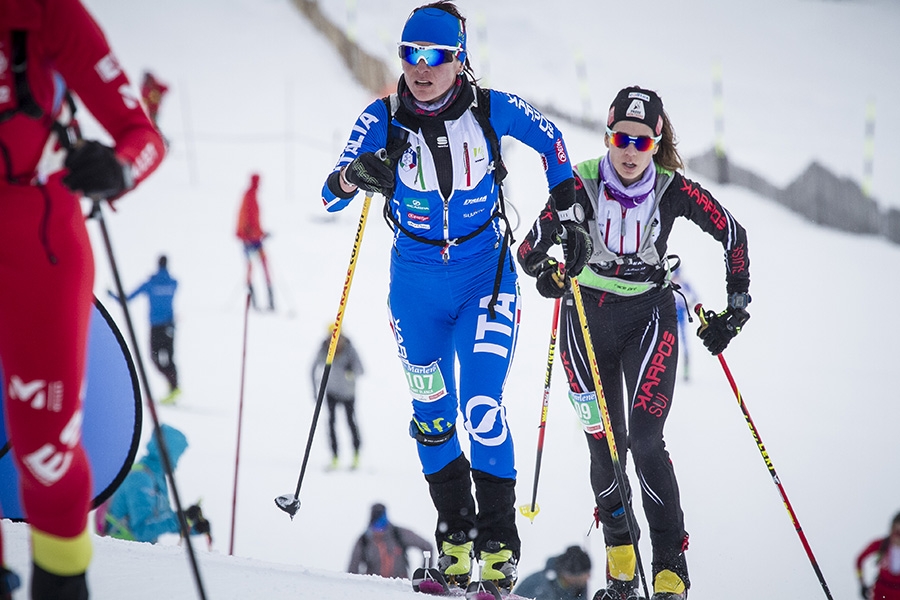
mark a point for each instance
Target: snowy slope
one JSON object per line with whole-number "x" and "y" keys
{"x": 813, "y": 363}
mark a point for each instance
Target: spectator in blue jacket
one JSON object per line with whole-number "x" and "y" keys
{"x": 139, "y": 510}
{"x": 160, "y": 290}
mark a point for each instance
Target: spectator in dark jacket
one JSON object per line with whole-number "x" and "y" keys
{"x": 381, "y": 549}
{"x": 564, "y": 578}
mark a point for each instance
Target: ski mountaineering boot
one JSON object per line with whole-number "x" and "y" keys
{"x": 47, "y": 586}
{"x": 621, "y": 583}
{"x": 450, "y": 490}
{"x": 455, "y": 559}
{"x": 499, "y": 565}
{"x": 668, "y": 586}
{"x": 670, "y": 574}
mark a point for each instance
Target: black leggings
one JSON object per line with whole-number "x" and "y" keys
{"x": 349, "y": 407}
{"x": 635, "y": 339}
{"x": 162, "y": 350}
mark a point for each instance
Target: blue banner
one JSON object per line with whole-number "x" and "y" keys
{"x": 111, "y": 430}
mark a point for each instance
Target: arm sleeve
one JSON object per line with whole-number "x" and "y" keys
{"x": 369, "y": 134}
{"x": 511, "y": 115}
{"x": 866, "y": 553}
{"x": 144, "y": 289}
{"x": 410, "y": 538}
{"x": 702, "y": 208}
{"x": 536, "y": 245}
{"x": 355, "y": 362}
{"x": 357, "y": 560}
{"x": 86, "y": 62}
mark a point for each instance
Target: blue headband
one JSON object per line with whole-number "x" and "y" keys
{"x": 435, "y": 26}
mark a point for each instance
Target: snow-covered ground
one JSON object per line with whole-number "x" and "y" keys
{"x": 255, "y": 88}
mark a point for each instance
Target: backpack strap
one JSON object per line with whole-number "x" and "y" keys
{"x": 25, "y": 101}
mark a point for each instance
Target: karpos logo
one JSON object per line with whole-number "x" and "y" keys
{"x": 648, "y": 398}
{"x": 39, "y": 393}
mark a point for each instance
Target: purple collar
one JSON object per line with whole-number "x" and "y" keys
{"x": 630, "y": 196}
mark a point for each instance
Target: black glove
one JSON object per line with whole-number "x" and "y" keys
{"x": 864, "y": 591}
{"x": 196, "y": 520}
{"x": 721, "y": 328}
{"x": 193, "y": 513}
{"x": 95, "y": 171}
{"x": 551, "y": 278}
{"x": 374, "y": 171}
{"x": 577, "y": 245}
{"x": 201, "y": 526}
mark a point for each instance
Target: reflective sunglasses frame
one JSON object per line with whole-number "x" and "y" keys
{"x": 642, "y": 143}
{"x": 432, "y": 55}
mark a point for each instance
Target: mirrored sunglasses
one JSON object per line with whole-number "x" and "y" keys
{"x": 642, "y": 143}
{"x": 432, "y": 55}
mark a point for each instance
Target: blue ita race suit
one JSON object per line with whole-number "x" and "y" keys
{"x": 454, "y": 294}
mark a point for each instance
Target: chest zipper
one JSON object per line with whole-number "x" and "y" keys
{"x": 468, "y": 169}
{"x": 419, "y": 175}
{"x": 445, "y": 251}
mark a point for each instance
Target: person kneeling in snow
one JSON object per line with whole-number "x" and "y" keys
{"x": 139, "y": 510}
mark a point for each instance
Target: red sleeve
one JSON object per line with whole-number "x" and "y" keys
{"x": 83, "y": 57}
{"x": 869, "y": 550}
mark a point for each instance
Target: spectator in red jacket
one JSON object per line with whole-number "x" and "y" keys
{"x": 249, "y": 231}
{"x": 46, "y": 263}
{"x": 152, "y": 92}
{"x": 887, "y": 554}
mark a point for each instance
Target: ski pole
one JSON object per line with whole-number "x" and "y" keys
{"x": 610, "y": 437}
{"x": 768, "y": 460}
{"x": 533, "y": 509}
{"x": 286, "y": 502}
{"x": 237, "y": 453}
{"x": 97, "y": 213}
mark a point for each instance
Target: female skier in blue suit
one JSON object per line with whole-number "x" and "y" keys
{"x": 454, "y": 295}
